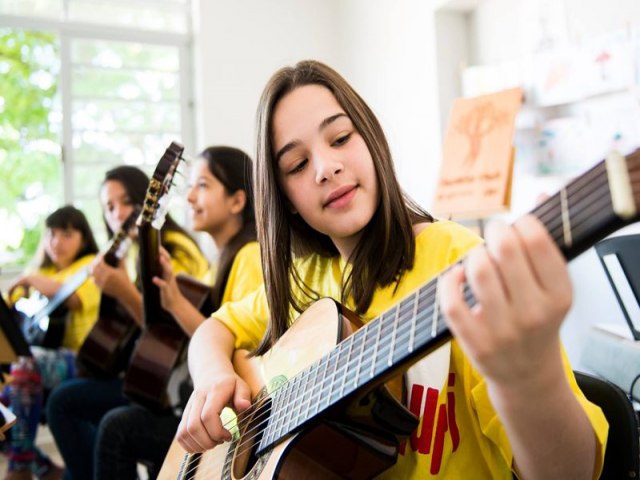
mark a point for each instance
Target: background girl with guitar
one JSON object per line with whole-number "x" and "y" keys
{"x": 333, "y": 222}
{"x": 222, "y": 206}
{"x": 75, "y": 408}
{"x": 68, "y": 247}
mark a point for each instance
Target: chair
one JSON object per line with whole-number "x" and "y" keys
{"x": 622, "y": 458}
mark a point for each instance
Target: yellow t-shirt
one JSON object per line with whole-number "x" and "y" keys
{"x": 245, "y": 274}
{"x": 460, "y": 435}
{"x": 186, "y": 256}
{"x": 80, "y": 321}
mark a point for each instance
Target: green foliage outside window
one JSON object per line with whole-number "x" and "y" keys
{"x": 30, "y": 166}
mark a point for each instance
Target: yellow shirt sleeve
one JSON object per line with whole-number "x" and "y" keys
{"x": 246, "y": 319}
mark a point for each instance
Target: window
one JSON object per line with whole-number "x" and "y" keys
{"x": 101, "y": 94}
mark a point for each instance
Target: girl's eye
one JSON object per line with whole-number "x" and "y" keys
{"x": 341, "y": 140}
{"x": 298, "y": 167}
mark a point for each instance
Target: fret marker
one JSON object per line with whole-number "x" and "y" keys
{"x": 620, "y": 185}
{"x": 566, "y": 223}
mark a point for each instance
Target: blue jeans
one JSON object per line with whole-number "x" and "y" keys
{"x": 132, "y": 434}
{"x": 74, "y": 410}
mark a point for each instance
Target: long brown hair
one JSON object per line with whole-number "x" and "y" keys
{"x": 233, "y": 168}
{"x": 283, "y": 236}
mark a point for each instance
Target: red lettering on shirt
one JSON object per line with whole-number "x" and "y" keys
{"x": 425, "y": 439}
{"x": 451, "y": 411}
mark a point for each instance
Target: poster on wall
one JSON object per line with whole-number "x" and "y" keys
{"x": 477, "y": 164}
{"x": 610, "y": 63}
{"x": 558, "y": 76}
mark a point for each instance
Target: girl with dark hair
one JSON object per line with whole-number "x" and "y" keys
{"x": 501, "y": 398}
{"x": 75, "y": 408}
{"x": 124, "y": 188}
{"x": 67, "y": 247}
{"x": 222, "y": 206}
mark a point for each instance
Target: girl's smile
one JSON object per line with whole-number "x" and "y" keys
{"x": 341, "y": 197}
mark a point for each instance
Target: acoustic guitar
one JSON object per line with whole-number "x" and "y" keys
{"x": 43, "y": 320}
{"x": 106, "y": 349}
{"x": 162, "y": 341}
{"x": 321, "y": 410}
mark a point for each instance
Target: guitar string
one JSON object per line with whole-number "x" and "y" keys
{"x": 342, "y": 369}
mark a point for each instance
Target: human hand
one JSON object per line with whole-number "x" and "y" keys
{"x": 523, "y": 292}
{"x": 110, "y": 280}
{"x": 170, "y": 295}
{"x": 201, "y": 427}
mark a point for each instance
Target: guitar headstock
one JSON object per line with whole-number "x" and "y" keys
{"x": 623, "y": 173}
{"x": 120, "y": 242}
{"x": 154, "y": 208}
{"x": 633, "y": 167}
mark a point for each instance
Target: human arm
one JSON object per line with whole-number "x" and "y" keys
{"x": 236, "y": 325}
{"x": 511, "y": 336}
{"x": 216, "y": 385}
{"x": 115, "y": 282}
{"x": 46, "y": 285}
{"x": 173, "y": 301}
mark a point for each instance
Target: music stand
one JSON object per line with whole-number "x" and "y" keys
{"x": 12, "y": 341}
{"x": 620, "y": 257}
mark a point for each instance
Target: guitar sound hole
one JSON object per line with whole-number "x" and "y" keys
{"x": 251, "y": 430}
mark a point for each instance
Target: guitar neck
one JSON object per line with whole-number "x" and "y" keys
{"x": 63, "y": 293}
{"x": 149, "y": 238}
{"x": 578, "y": 216}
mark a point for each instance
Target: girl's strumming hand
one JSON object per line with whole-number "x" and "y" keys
{"x": 201, "y": 427}
{"x": 170, "y": 295}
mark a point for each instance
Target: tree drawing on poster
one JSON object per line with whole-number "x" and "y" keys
{"x": 477, "y": 164}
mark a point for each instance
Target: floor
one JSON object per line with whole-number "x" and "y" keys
{"x": 45, "y": 442}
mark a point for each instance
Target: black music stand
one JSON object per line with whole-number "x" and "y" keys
{"x": 12, "y": 341}
{"x": 620, "y": 257}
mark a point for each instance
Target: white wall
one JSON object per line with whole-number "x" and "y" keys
{"x": 383, "y": 47}
{"x": 494, "y": 40}
{"x": 238, "y": 45}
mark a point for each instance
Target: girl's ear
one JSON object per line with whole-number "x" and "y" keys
{"x": 238, "y": 201}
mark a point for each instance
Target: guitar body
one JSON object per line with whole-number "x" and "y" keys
{"x": 359, "y": 438}
{"x": 41, "y": 329}
{"x": 108, "y": 346}
{"x": 160, "y": 348}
